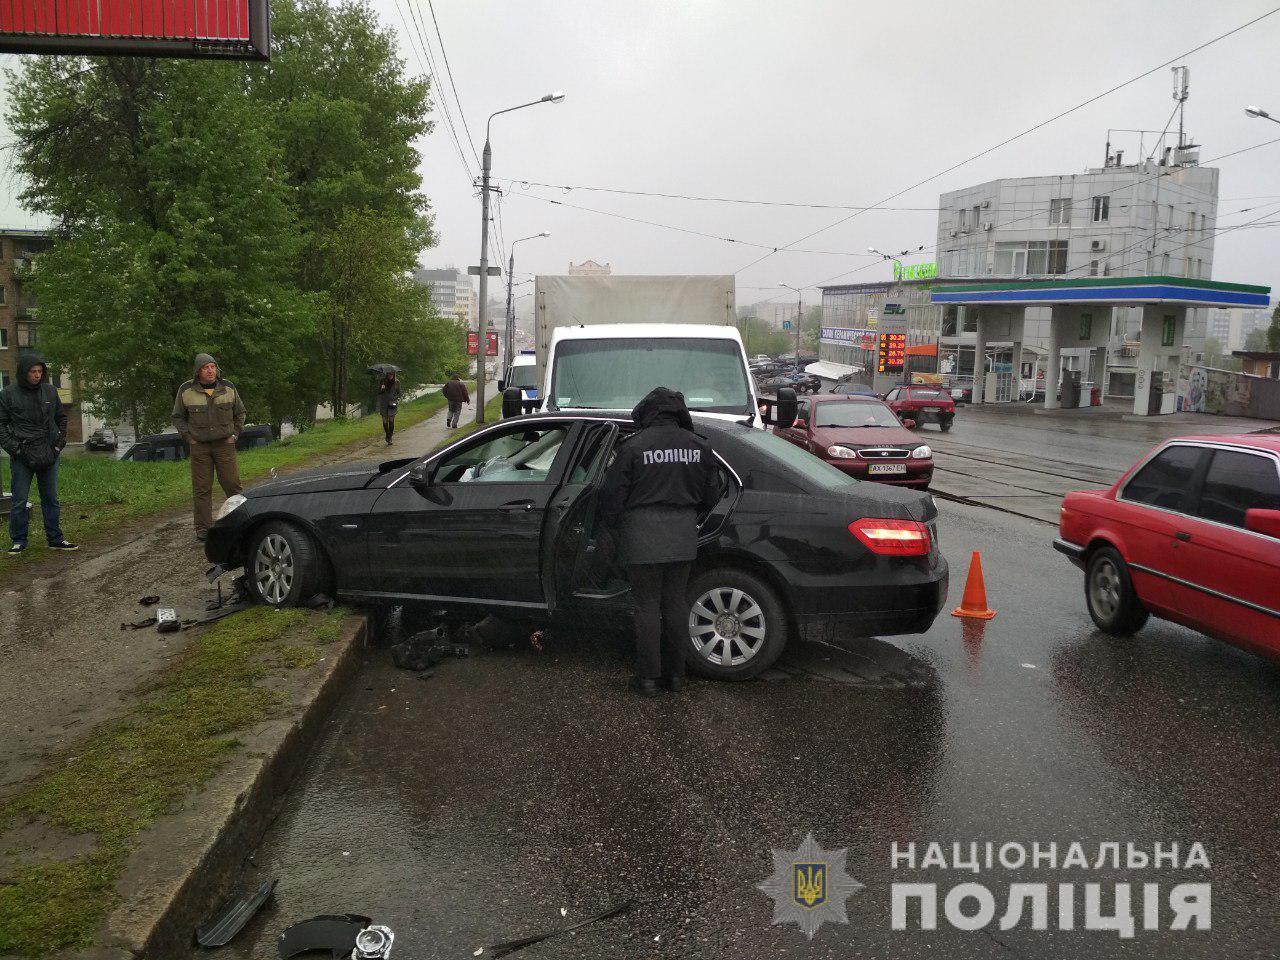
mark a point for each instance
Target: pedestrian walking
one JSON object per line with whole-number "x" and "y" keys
{"x": 209, "y": 415}
{"x": 33, "y": 431}
{"x": 455, "y": 391}
{"x": 663, "y": 478}
{"x": 388, "y": 401}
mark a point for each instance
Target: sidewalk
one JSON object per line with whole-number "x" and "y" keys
{"x": 68, "y": 663}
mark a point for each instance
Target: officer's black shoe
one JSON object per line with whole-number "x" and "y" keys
{"x": 646, "y": 688}
{"x": 675, "y": 684}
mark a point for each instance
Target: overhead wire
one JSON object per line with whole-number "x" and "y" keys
{"x": 1018, "y": 136}
{"x": 462, "y": 114}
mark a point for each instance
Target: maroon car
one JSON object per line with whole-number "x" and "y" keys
{"x": 862, "y": 437}
{"x": 923, "y": 404}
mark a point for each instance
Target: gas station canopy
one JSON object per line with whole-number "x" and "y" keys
{"x": 1113, "y": 290}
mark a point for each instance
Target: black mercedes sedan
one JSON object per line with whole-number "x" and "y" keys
{"x": 503, "y": 522}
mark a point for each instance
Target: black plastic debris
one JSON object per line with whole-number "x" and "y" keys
{"x": 426, "y": 648}
{"x": 150, "y": 599}
{"x": 139, "y": 624}
{"x": 321, "y": 601}
{"x": 232, "y": 915}
{"x": 511, "y": 946}
{"x": 335, "y": 933}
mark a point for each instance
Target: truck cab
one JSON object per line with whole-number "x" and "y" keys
{"x": 612, "y": 367}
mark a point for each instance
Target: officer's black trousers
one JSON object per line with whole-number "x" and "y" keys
{"x": 662, "y": 630}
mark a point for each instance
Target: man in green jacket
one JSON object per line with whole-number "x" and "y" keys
{"x": 209, "y": 414}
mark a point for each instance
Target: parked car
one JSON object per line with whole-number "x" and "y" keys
{"x": 504, "y": 519}
{"x": 104, "y": 438}
{"x": 923, "y": 405}
{"x": 800, "y": 382}
{"x": 863, "y": 438}
{"x": 169, "y": 446}
{"x": 1190, "y": 534}
{"x": 760, "y": 358}
{"x": 853, "y": 384}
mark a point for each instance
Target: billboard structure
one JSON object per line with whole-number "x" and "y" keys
{"x": 202, "y": 29}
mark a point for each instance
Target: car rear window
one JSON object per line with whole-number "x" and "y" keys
{"x": 928, "y": 394}
{"x": 1166, "y": 479}
{"x": 1237, "y": 482}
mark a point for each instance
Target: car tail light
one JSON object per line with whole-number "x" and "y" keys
{"x": 892, "y": 538}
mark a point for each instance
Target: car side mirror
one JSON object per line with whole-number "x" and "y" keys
{"x": 512, "y": 403}
{"x": 1265, "y": 522}
{"x": 784, "y": 411}
{"x": 420, "y": 477}
{"x": 801, "y": 423}
{"x": 909, "y": 424}
{"x": 502, "y": 386}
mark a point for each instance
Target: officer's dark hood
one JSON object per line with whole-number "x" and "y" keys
{"x": 662, "y": 405}
{"x": 25, "y": 362}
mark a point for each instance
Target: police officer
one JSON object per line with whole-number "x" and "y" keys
{"x": 663, "y": 477}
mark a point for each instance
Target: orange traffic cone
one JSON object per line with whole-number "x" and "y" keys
{"x": 974, "y": 603}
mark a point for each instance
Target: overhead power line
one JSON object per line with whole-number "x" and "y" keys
{"x": 462, "y": 114}
{"x": 1018, "y": 136}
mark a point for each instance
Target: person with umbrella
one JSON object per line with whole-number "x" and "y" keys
{"x": 388, "y": 396}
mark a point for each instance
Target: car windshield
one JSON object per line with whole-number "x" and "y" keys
{"x": 615, "y": 374}
{"x": 523, "y": 377}
{"x": 853, "y": 413}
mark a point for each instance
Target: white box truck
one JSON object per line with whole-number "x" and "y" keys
{"x": 604, "y": 342}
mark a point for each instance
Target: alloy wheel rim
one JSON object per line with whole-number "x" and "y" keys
{"x": 727, "y": 626}
{"x": 1104, "y": 589}
{"x": 273, "y": 568}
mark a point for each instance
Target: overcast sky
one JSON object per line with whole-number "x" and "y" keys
{"x": 815, "y": 102}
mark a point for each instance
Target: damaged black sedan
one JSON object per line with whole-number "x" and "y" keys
{"x": 504, "y": 522}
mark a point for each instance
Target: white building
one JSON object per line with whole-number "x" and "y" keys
{"x": 589, "y": 268}
{"x": 1145, "y": 219}
{"x": 451, "y": 293}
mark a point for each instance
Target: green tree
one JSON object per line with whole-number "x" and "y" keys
{"x": 175, "y": 234}
{"x": 1257, "y": 339}
{"x": 347, "y": 116}
{"x": 1273, "y": 332}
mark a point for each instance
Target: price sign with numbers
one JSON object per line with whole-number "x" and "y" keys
{"x": 891, "y": 354}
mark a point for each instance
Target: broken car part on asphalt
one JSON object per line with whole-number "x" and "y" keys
{"x": 232, "y": 915}
{"x": 511, "y": 946}
{"x": 335, "y": 933}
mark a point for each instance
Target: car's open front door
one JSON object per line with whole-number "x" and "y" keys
{"x": 571, "y": 516}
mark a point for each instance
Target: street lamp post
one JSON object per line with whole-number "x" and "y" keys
{"x": 486, "y": 164}
{"x": 509, "y": 341}
{"x": 1258, "y": 112}
{"x": 799, "y": 311}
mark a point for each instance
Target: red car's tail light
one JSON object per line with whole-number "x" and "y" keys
{"x": 892, "y": 538}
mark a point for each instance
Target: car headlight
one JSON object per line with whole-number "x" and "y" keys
{"x": 838, "y": 452}
{"x": 232, "y": 503}
{"x": 921, "y": 452}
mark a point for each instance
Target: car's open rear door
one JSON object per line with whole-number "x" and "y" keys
{"x": 571, "y": 515}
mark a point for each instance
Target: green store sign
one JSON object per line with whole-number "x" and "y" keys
{"x": 914, "y": 271}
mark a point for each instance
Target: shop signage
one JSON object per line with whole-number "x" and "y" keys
{"x": 914, "y": 271}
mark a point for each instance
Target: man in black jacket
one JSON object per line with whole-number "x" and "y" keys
{"x": 663, "y": 477}
{"x": 33, "y": 431}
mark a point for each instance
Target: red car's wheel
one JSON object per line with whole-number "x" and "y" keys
{"x": 1109, "y": 594}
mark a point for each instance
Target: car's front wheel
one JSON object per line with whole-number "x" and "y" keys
{"x": 737, "y": 625}
{"x": 1108, "y": 592}
{"x": 284, "y": 567}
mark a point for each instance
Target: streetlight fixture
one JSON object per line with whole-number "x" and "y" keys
{"x": 1259, "y": 112}
{"x": 799, "y": 311}
{"x": 509, "y": 341}
{"x": 486, "y": 165}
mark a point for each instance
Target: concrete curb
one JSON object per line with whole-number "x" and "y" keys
{"x": 186, "y": 863}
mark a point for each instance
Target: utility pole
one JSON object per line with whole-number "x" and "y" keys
{"x": 508, "y": 341}
{"x": 482, "y": 341}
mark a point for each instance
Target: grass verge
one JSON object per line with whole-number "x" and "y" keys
{"x": 131, "y": 771}
{"x": 99, "y": 495}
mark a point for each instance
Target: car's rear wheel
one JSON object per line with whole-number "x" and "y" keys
{"x": 737, "y": 625}
{"x": 284, "y": 567}
{"x": 1109, "y": 594}
{"x": 945, "y": 424}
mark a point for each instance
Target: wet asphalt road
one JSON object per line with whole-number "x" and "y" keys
{"x": 469, "y": 807}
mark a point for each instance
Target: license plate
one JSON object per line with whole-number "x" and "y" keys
{"x": 931, "y": 409}
{"x": 880, "y": 469}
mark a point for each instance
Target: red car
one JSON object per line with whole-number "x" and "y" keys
{"x": 923, "y": 405}
{"x": 1190, "y": 534}
{"x": 863, "y": 438}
